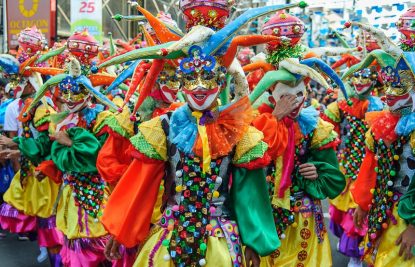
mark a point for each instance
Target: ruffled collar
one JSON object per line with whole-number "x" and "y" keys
{"x": 91, "y": 112}
{"x": 308, "y": 119}
{"x": 406, "y": 125}
{"x": 224, "y": 131}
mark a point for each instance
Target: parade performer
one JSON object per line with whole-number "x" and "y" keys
{"x": 349, "y": 118}
{"x": 305, "y": 168}
{"x": 383, "y": 190}
{"x": 193, "y": 147}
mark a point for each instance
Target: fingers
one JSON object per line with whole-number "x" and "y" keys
{"x": 402, "y": 249}
{"x": 408, "y": 253}
{"x": 115, "y": 250}
{"x": 399, "y": 240}
{"x": 107, "y": 250}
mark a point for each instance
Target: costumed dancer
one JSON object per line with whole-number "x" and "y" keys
{"x": 192, "y": 150}
{"x": 78, "y": 134}
{"x": 384, "y": 189}
{"x": 349, "y": 118}
{"x": 305, "y": 168}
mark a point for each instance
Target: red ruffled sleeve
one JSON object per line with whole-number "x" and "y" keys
{"x": 275, "y": 134}
{"x": 114, "y": 157}
{"x": 127, "y": 215}
{"x": 49, "y": 169}
{"x": 366, "y": 180}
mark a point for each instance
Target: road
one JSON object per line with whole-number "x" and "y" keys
{"x": 14, "y": 253}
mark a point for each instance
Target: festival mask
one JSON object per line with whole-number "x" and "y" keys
{"x": 363, "y": 81}
{"x": 202, "y": 79}
{"x": 74, "y": 95}
{"x": 398, "y": 95}
{"x": 298, "y": 91}
{"x": 169, "y": 84}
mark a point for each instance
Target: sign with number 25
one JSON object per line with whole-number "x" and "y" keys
{"x": 87, "y": 14}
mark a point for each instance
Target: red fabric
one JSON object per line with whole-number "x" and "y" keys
{"x": 257, "y": 163}
{"x": 49, "y": 169}
{"x": 357, "y": 109}
{"x": 365, "y": 181}
{"x": 382, "y": 125}
{"x": 288, "y": 159}
{"x": 264, "y": 108}
{"x": 129, "y": 209}
{"x": 113, "y": 158}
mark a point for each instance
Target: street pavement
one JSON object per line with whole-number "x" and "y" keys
{"x": 15, "y": 253}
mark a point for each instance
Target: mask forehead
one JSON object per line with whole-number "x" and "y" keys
{"x": 283, "y": 89}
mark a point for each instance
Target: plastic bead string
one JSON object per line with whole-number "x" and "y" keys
{"x": 88, "y": 191}
{"x": 282, "y": 217}
{"x": 352, "y": 155}
{"x": 380, "y": 213}
{"x": 194, "y": 192}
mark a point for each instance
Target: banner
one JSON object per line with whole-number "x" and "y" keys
{"x": 22, "y": 14}
{"x": 87, "y": 14}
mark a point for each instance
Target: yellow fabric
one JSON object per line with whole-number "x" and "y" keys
{"x": 294, "y": 245}
{"x": 123, "y": 118}
{"x": 388, "y": 252}
{"x": 101, "y": 117}
{"x": 285, "y": 201}
{"x": 217, "y": 254}
{"x": 205, "y": 142}
{"x": 369, "y": 140}
{"x": 334, "y": 109}
{"x": 250, "y": 139}
{"x": 155, "y": 218}
{"x": 41, "y": 112}
{"x": 34, "y": 198}
{"x": 412, "y": 141}
{"x": 67, "y": 217}
{"x": 152, "y": 131}
{"x": 323, "y": 130}
{"x": 344, "y": 201}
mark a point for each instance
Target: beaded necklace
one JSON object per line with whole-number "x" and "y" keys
{"x": 352, "y": 155}
{"x": 194, "y": 192}
{"x": 380, "y": 212}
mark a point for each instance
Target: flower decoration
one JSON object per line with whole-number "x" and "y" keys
{"x": 391, "y": 76}
{"x": 69, "y": 83}
{"x": 197, "y": 61}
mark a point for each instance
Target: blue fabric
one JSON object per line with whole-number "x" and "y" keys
{"x": 183, "y": 129}
{"x": 375, "y": 104}
{"x": 91, "y": 113}
{"x": 307, "y": 119}
{"x": 406, "y": 125}
{"x": 3, "y": 107}
{"x": 6, "y": 176}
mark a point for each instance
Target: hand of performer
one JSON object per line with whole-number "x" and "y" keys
{"x": 62, "y": 138}
{"x": 308, "y": 171}
{"x": 7, "y": 142}
{"x": 251, "y": 258}
{"x": 9, "y": 154}
{"x": 112, "y": 251}
{"x": 39, "y": 175}
{"x": 359, "y": 217}
{"x": 407, "y": 242}
{"x": 284, "y": 106}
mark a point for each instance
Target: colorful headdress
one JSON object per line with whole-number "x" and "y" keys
{"x": 382, "y": 58}
{"x": 31, "y": 40}
{"x": 401, "y": 77}
{"x": 209, "y": 13}
{"x": 406, "y": 26}
{"x": 18, "y": 75}
{"x": 209, "y": 41}
{"x": 73, "y": 81}
{"x": 83, "y": 46}
{"x": 292, "y": 72}
{"x": 290, "y": 29}
{"x": 384, "y": 42}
